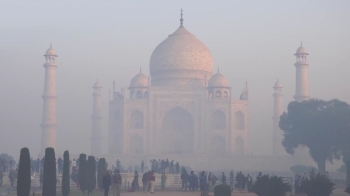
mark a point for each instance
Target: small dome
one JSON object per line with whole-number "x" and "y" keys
{"x": 50, "y": 51}
{"x": 278, "y": 85}
{"x": 218, "y": 80}
{"x": 301, "y": 50}
{"x": 140, "y": 80}
{"x": 97, "y": 85}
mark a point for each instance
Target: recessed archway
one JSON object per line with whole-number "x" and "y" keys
{"x": 177, "y": 132}
{"x": 218, "y": 120}
{"x": 136, "y": 120}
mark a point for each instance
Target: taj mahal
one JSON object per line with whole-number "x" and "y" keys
{"x": 183, "y": 110}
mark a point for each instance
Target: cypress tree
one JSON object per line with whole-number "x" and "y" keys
{"x": 83, "y": 172}
{"x": 24, "y": 181}
{"x": 66, "y": 175}
{"x": 49, "y": 178}
{"x": 91, "y": 180}
{"x": 102, "y": 167}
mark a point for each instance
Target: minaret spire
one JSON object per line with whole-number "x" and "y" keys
{"x": 301, "y": 77}
{"x": 49, "y": 123}
{"x": 96, "y": 130}
{"x": 277, "y": 148}
{"x": 181, "y": 19}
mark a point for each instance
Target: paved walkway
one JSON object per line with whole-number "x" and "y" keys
{"x": 180, "y": 193}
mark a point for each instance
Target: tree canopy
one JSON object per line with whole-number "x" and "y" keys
{"x": 320, "y": 125}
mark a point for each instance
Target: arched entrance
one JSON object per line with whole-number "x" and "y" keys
{"x": 177, "y": 132}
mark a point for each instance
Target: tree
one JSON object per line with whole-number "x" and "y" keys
{"x": 318, "y": 186}
{"x": 102, "y": 167}
{"x": 222, "y": 190}
{"x": 317, "y": 124}
{"x": 91, "y": 174}
{"x": 66, "y": 175}
{"x": 83, "y": 172}
{"x": 49, "y": 178}
{"x": 270, "y": 186}
{"x": 24, "y": 181}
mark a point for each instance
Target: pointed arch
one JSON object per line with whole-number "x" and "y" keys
{"x": 218, "y": 145}
{"x": 218, "y": 120}
{"x": 240, "y": 149}
{"x": 136, "y": 144}
{"x": 146, "y": 95}
{"x": 139, "y": 94}
{"x": 177, "y": 132}
{"x": 136, "y": 120}
{"x": 225, "y": 94}
{"x": 239, "y": 120}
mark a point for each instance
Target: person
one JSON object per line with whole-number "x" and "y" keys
{"x": 41, "y": 178}
{"x": 74, "y": 164}
{"x": 145, "y": 182}
{"x": 223, "y": 178}
{"x": 163, "y": 180}
{"x": 12, "y": 177}
{"x": 136, "y": 180}
{"x": 152, "y": 179}
{"x": 297, "y": 185}
{"x": 142, "y": 166}
{"x": 249, "y": 183}
{"x": 196, "y": 181}
{"x": 213, "y": 180}
{"x": 1, "y": 176}
{"x": 244, "y": 181}
{"x": 184, "y": 179}
{"x": 259, "y": 176}
{"x": 231, "y": 179}
{"x": 106, "y": 182}
{"x": 60, "y": 165}
{"x": 171, "y": 167}
{"x": 203, "y": 184}
{"x": 210, "y": 178}
{"x": 117, "y": 181}
{"x": 177, "y": 167}
{"x": 191, "y": 180}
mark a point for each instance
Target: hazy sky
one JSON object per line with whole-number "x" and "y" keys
{"x": 109, "y": 40}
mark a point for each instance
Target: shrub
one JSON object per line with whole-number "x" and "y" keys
{"x": 91, "y": 174}
{"x": 49, "y": 178}
{"x": 66, "y": 175}
{"x": 270, "y": 186}
{"x": 82, "y": 172}
{"x": 318, "y": 186}
{"x": 102, "y": 167}
{"x": 222, "y": 190}
{"x": 24, "y": 181}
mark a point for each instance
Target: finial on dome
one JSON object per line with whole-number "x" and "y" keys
{"x": 50, "y": 45}
{"x": 301, "y": 43}
{"x": 140, "y": 70}
{"x": 181, "y": 19}
{"x": 218, "y": 69}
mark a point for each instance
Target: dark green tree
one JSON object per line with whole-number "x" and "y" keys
{"x": 24, "y": 181}
{"x": 270, "y": 186}
{"x": 49, "y": 178}
{"x": 91, "y": 171}
{"x": 66, "y": 175}
{"x": 102, "y": 167}
{"x": 317, "y": 124}
{"x": 318, "y": 186}
{"x": 83, "y": 172}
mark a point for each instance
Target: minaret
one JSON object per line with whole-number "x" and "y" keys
{"x": 277, "y": 112}
{"x": 49, "y": 124}
{"x": 302, "y": 79}
{"x": 96, "y": 134}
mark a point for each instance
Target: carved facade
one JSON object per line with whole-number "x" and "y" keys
{"x": 181, "y": 109}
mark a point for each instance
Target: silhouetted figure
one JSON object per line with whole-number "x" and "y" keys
{"x": 106, "y": 182}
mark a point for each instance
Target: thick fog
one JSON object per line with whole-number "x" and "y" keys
{"x": 107, "y": 40}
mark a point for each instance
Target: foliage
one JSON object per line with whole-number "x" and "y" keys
{"x": 24, "y": 181}
{"x": 49, "y": 178}
{"x": 91, "y": 174}
{"x": 83, "y": 172}
{"x": 102, "y": 167}
{"x": 66, "y": 175}
{"x": 317, "y": 124}
{"x": 347, "y": 190}
{"x": 301, "y": 169}
{"x": 222, "y": 190}
{"x": 318, "y": 186}
{"x": 270, "y": 186}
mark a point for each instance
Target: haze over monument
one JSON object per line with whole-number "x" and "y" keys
{"x": 258, "y": 47}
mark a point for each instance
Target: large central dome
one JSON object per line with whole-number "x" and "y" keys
{"x": 181, "y": 60}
